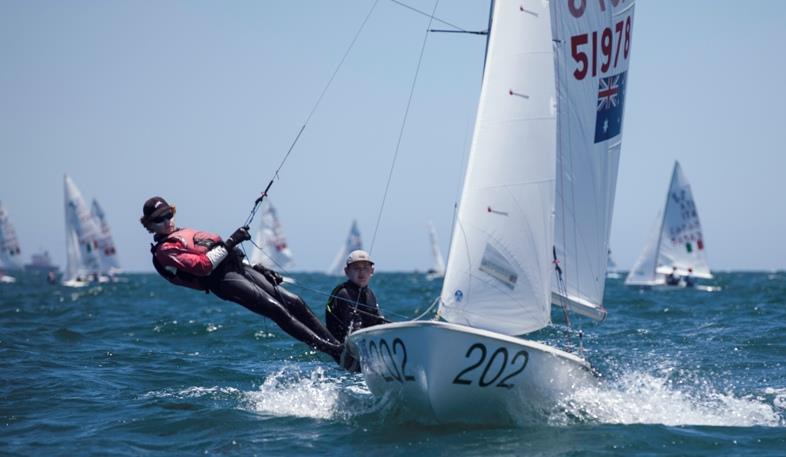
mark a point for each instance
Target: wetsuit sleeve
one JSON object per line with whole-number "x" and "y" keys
{"x": 173, "y": 254}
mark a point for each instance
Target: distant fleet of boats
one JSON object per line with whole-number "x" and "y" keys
{"x": 674, "y": 255}
{"x": 91, "y": 255}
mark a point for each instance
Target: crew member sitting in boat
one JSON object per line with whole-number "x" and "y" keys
{"x": 203, "y": 261}
{"x": 352, "y": 304}
{"x": 690, "y": 281}
{"x": 672, "y": 279}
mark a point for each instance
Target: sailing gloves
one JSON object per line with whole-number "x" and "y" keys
{"x": 237, "y": 237}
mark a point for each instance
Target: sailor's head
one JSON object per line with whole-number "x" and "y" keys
{"x": 158, "y": 216}
{"x": 359, "y": 267}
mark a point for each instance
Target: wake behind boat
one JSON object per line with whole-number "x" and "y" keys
{"x": 532, "y": 226}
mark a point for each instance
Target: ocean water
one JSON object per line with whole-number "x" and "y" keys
{"x": 141, "y": 367}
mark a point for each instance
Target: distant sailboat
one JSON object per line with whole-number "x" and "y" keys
{"x": 106, "y": 245}
{"x": 438, "y": 270}
{"x": 352, "y": 243}
{"x": 274, "y": 253}
{"x": 611, "y": 268}
{"x": 676, "y": 241}
{"x": 82, "y": 235}
{"x": 10, "y": 252}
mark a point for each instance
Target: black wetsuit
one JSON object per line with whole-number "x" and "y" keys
{"x": 349, "y": 308}
{"x": 235, "y": 281}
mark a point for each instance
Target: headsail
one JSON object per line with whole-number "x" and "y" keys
{"x": 10, "y": 252}
{"x": 353, "y": 242}
{"x": 106, "y": 244}
{"x": 274, "y": 253}
{"x": 592, "y": 43}
{"x": 499, "y": 265}
{"x": 81, "y": 235}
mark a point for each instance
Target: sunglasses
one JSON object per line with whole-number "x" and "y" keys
{"x": 162, "y": 218}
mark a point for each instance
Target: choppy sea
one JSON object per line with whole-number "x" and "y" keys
{"x": 141, "y": 367}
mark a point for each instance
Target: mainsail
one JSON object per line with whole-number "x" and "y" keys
{"x": 106, "y": 245}
{"x": 10, "y": 253}
{"x": 539, "y": 186}
{"x": 271, "y": 248}
{"x": 82, "y": 235}
{"x": 352, "y": 243}
{"x": 676, "y": 244}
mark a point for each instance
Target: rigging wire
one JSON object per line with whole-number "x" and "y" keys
{"x": 431, "y": 16}
{"x": 403, "y": 125}
{"x": 258, "y": 201}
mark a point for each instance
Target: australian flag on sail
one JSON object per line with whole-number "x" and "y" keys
{"x": 611, "y": 98}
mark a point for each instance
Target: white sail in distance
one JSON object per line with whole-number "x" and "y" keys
{"x": 352, "y": 243}
{"x": 274, "y": 253}
{"x": 10, "y": 252}
{"x": 106, "y": 244}
{"x": 677, "y": 242}
{"x": 82, "y": 234}
{"x": 438, "y": 268}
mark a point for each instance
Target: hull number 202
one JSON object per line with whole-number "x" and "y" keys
{"x": 498, "y": 370}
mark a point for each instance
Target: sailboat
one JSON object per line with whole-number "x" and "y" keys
{"x": 438, "y": 270}
{"x": 352, "y": 243}
{"x": 676, "y": 241}
{"x": 271, "y": 249}
{"x": 532, "y": 226}
{"x": 611, "y": 268}
{"x": 10, "y": 251}
{"x": 106, "y": 244}
{"x": 82, "y": 240}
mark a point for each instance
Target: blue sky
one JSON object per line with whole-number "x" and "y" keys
{"x": 198, "y": 101}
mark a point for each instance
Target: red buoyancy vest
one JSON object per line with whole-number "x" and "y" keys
{"x": 181, "y": 257}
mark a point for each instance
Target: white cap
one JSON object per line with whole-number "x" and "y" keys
{"x": 359, "y": 256}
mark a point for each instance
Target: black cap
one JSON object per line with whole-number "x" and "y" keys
{"x": 155, "y": 207}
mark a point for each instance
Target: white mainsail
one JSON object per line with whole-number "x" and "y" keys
{"x": 677, "y": 243}
{"x": 106, "y": 244}
{"x": 352, "y": 243}
{"x": 10, "y": 252}
{"x": 438, "y": 270}
{"x": 82, "y": 235}
{"x": 274, "y": 253}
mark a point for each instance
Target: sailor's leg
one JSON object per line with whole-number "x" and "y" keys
{"x": 236, "y": 287}
{"x": 293, "y": 303}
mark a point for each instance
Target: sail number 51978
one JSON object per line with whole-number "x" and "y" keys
{"x": 611, "y": 44}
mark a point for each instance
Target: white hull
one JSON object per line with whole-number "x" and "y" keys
{"x": 7, "y": 279}
{"x": 441, "y": 372}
